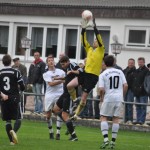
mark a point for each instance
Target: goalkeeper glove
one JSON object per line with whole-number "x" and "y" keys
{"x": 84, "y": 23}
{"x": 92, "y": 23}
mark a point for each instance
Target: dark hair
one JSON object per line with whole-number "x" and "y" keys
{"x": 37, "y": 52}
{"x": 16, "y": 59}
{"x": 131, "y": 59}
{"x": 148, "y": 65}
{"x": 141, "y": 58}
{"x": 6, "y": 60}
{"x": 109, "y": 60}
{"x": 105, "y": 54}
{"x": 64, "y": 59}
{"x": 49, "y": 56}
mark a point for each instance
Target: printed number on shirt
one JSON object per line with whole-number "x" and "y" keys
{"x": 114, "y": 82}
{"x": 7, "y": 83}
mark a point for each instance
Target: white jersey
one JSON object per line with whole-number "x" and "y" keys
{"x": 48, "y": 77}
{"x": 112, "y": 81}
{"x": 52, "y": 92}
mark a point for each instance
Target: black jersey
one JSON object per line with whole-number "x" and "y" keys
{"x": 68, "y": 78}
{"x": 72, "y": 66}
{"x": 9, "y": 80}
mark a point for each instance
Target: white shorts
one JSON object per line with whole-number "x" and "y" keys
{"x": 50, "y": 101}
{"x": 111, "y": 109}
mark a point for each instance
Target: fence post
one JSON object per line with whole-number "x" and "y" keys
{"x": 124, "y": 114}
{"x": 23, "y": 102}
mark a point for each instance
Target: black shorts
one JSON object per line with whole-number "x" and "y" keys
{"x": 11, "y": 110}
{"x": 64, "y": 102}
{"x": 89, "y": 82}
{"x": 81, "y": 79}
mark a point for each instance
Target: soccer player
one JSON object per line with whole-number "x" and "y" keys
{"x": 54, "y": 89}
{"x": 113, "y": 86}
{"x": 10, "y": 79}
{"x": 93, "y": 65}
{"x": 64, "y": 102}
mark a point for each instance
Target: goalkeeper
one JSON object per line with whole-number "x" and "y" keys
{"x": 93, "y": 65}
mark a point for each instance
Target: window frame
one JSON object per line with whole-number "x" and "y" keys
{"x": 145, "y": 45}
{"x": 6, "y": 24}
{"x": 65, "y": 28}
{"x": 45, "y": 27}
{"x": 57, "y": 38}
{"x": 15, "y": 39}
{"x": 16, "y": 25}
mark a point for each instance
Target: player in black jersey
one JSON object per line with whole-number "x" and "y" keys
{"x": 63, "y": 103}
{"x": 11, "y": 83}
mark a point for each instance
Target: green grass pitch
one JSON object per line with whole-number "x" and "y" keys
{"x": 34, "y": 136}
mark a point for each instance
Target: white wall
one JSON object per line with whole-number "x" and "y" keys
{"x": 117, "y": 27}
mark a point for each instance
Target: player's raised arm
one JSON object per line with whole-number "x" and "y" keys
{"x": 97, "y": 34}
{"x": 83, "y": 35}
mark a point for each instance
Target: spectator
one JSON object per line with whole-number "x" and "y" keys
{"x": 23, "y": 70}
{"x": 129, "y": 97}
{"x": 58, "y": 65}
{"x": 35, "y": 77}
{"x": 147, "y": 81}
{"x": 115, "y": 64}
{"x": 139, "y": 91}
{"x": 148, "y": 66}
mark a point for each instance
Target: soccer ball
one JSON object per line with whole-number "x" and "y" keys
{"x": 87, "y": 15}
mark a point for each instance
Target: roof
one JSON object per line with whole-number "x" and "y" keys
{"x": 81, "y": 3}
{"x": 74, "y": 8}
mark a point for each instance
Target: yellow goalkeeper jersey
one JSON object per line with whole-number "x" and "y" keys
{"x": 94, "y": 56}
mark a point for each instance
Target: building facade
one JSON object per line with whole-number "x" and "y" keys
{"x": 54, "y": 27}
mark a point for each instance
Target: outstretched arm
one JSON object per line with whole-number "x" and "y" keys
{"x": 97, "y": 34}
{"x": 84, "y": 40}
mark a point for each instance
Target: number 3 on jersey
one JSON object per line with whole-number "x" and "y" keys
{"x": 7, "y": 83}
{"x": 114, "y": 82}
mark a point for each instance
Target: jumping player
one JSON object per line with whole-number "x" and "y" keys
{"x": 93, "y": 65}
{"x": 64, "y": 102}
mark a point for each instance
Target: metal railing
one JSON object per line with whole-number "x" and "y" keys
{"x": 93, "y": 99}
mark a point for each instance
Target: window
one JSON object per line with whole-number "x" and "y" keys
{"x": 21, "y": 33}
{"x": 105, "y": 37}
{"x": 4, "y": 31}
{"x": 71, "y": 42}
{"x": 37, "y": 40}
{"x": 51, "y": 42}
{"x": 137, "y": 36}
